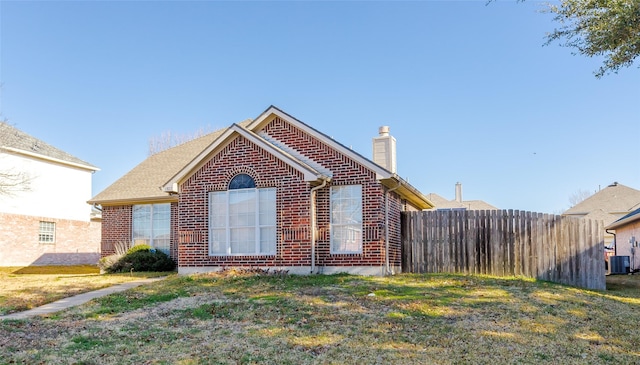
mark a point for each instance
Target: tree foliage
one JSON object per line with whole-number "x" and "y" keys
{"x": 608, "y": 28}
{"x": 171, "y": 139}
{"x": 578, "y": 197}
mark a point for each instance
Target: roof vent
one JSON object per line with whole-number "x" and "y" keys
{"x": 384, "y": 150}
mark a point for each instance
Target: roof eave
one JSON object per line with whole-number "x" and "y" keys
{"x": 50, "y": 159}
{"x": 407, "y": 191}
{"x": 623, "y": 221}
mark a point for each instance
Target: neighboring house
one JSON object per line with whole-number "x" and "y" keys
{"x": 457, "y": 203}
{"x": 45, "y": 219}
{"x": 607, "y": 205}
{"x": 271, "y": 192}
{"x": 627, "y": 231}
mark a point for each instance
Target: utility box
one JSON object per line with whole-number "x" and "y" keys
{"x": 619, "y": 265}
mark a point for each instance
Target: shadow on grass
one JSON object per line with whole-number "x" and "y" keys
{"x": 57, "y": 270}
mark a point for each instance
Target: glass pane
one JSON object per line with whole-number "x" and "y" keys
{"x": 242, "y": 208}
{"x": 346, "y": 239}
{"x": 218, "y": 241}
{"x": 346, "y": 218}
{"x": 242, "y": 181}
{"x": 267, "y": 207}
{"x": 268, "y": 240}
{"x": 243, "y": 240}
{"x": 218, "y": 209}
{"x": 141, "y": 225}
{"x": 161, "y": 227}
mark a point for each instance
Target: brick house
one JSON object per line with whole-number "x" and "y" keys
{"x": 44, "y": 215}
{"x": 270, "y": 192}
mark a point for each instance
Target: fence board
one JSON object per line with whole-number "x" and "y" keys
{"x": 503, "y": 243}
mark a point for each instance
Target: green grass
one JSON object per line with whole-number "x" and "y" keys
{"x": 338, "y": 319}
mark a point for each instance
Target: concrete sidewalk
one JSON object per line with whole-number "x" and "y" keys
{"x": 78, "y": 299}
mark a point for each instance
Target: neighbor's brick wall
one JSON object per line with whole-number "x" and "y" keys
{"x": 76, "y": 242}
{"x": 293, "y": 194}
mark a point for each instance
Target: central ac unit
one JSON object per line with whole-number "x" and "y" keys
{"x": 619, "y": 265}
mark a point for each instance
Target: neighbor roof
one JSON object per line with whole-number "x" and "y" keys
{"x": 442, "y": 203}
{"x": 16, "y": 141}
{"x": 614, "y": 199}
{"x": 631, "y": 217}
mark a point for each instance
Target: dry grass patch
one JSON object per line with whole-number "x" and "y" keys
{"x": 407, "y": 319}
{"x": 23, "y": 288}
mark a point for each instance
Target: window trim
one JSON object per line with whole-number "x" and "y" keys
{"x": 257, "y": 227}
{"x": 333, "y": 224}
{"x": 46, "y": 230}
{"x": 151, "y": 228}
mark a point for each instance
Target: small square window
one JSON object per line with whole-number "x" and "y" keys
{"x": 47, "y": 232}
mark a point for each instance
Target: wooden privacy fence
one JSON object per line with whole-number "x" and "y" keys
{"x": 548, "y": 247}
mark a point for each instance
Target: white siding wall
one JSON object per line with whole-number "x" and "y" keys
{"x": 56, "y": 190}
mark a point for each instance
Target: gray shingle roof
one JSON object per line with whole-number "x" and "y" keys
{"x": 144, "y": 182}
{"x": 614, "y": 199}
{"x": 11, "y": 137}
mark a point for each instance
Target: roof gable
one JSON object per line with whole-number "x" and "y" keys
{"x": 272, "y": 112}
{"x": 308, "y": 172}
{"x": 16, "y": 141}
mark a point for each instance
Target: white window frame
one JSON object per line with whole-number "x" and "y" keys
{"x": 47, "y": 232}
{"x": 152, "y": 231}
{"x": 340, "y": 219}
{"x": 224, "y": 225}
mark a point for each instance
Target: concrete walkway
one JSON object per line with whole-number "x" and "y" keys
{"x": 78, "y": 299}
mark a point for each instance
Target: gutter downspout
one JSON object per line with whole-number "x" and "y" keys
{"x": 386, "y": 228}
{"x": 615, "y": 244}
{"x": 313, "y": 222}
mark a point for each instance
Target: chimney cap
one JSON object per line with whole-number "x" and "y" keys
{"x": 384, "y": 130}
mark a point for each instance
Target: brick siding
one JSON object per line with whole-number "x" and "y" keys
{"x": 116, "y": 227}
{"x": 76, "y": 242}
{"x": 293, "y": 204}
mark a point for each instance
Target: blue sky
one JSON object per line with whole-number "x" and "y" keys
{"x": 468, "y": 89}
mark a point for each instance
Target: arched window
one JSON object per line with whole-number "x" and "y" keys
{"x": 242, "y": 181}
{"x": 242, "y": 220}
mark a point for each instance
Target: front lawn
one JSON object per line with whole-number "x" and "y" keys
{"x": 245, "y": 318}
{"x": 23, "y": 288}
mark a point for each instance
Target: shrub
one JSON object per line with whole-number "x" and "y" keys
{"x": 105, "y": 263}
{"x": 143, "y": 260}
{"x": 142, "y": 247}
